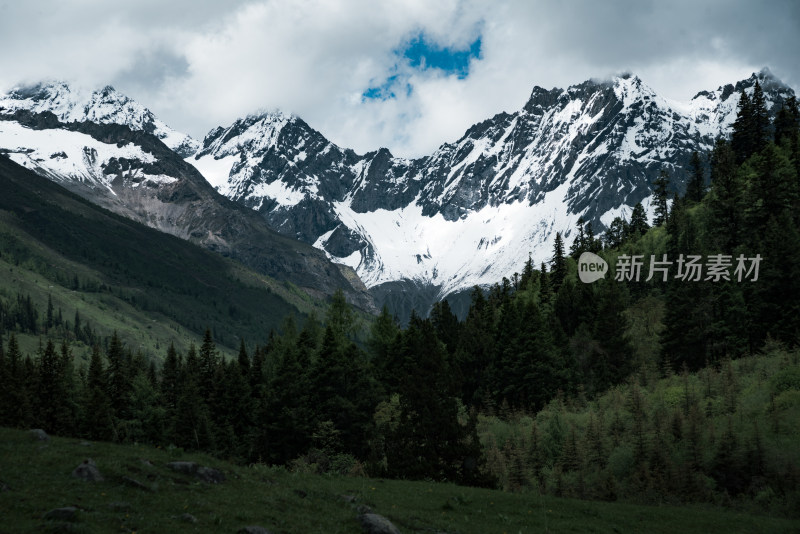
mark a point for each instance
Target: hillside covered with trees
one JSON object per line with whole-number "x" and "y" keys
{"x": 677, "y": 388}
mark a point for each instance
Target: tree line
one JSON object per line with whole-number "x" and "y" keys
{"x": 407, "y": 402}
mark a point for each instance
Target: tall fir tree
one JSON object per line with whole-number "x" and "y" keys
{"x": 742, "y": 143}
{"x": 638, "y": 225}
{"x": 559, "y": 263}
{"x": 661, "y": 195}
{"x": 695, "y": 187}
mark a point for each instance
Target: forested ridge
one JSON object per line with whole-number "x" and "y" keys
{"x": 676, "y": 390}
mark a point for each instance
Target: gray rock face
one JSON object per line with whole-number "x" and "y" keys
{"x": 377, "y": 524}
{"x": 88, "y": 471}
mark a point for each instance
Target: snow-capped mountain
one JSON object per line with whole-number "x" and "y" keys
{"x": 471, "y": 212}
{"x": 414, "y": 230}
{"x": 134, "y": 173}
{"x": 104, "y": 106}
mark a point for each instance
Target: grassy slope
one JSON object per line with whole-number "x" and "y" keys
{"x": 37, "y": 475}
{"x": 151, "y": 287}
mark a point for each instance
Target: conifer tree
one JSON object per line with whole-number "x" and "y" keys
{"x": 742, "y": 143}
{"x": 660, "y": 193}
{"x": 695, "y": 188}
{"x": 243, "y": 360}
{"x": 760, "y": 119}
{"x": 171, "y": 385}
{"x": 559, "y": 270}
{"x": 429, "y": 441}
{"x": 610, "y": 330}
{"x": 118, "y": 377}
{"x": 98, "y": 421}
{"x": 725, "y": 198}
{"x": 617, "y": 232}
{"x": 579, "y": 244}
{"x": 638, "y": 225}
{"x": 446, "y": 325}
{"x": 475, "y": 351}
{"x": 48, "y": 378}
{"x": 382, "y": 333}
{"x": 343, "y": 392}
{"x": 208, "y": 360}
{"x": 19, "y": 411}
{"x": 545, "y": 286}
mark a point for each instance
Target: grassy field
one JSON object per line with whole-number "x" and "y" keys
{"x": 35, "y": 478}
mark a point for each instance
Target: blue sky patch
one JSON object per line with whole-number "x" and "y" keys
{"x": 422, "y": 54}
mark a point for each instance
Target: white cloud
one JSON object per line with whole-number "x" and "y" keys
{"x": 198, "y": 64}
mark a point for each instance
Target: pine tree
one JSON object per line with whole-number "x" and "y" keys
{"x": 474, "y": 353}
{"x": 340, "y": 316}
{"x": 617, "y": 232}
{"x": 171, "y": 386}
{"x": 243, "y": 361}
{"x": 545, "y": 286}
{"x": 725, "y": 199}
{"x": 429, "y": 441}
{"x": 382, "y": 333}
{"x": 579, "y": 244}
{"x": 208, "y": 362}
{"x": 286, "y": 419}
{"x": 446, "y": 325}
{"x": 191, "y": 427}
{"x": 343, "y": 392}
{"x": 118, "y": 377}
{"x": 47, "y": 396}
{"x": 742, "y": 142}
{"x": 660, "y": 193}
{"x": 559, "y": 270}
{"x": 610, "y": 329}
{"x": 638, "y": 225}
{"x": 19, "y": 411}
{"x": 98, "y": 420}
{"x": 760, "y": 119}
{"x": 695, "y": 188}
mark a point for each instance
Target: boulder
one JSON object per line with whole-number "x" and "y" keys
{"x": 187, "y": 468}
{"x": 206, "y": 474}
{"x": 39, "y": 434}
{"x": 188, "y": 518}
{"x": 255, "y": 529}
{"x": 67, "y": 513}
{"x": 132, "y": 482}
{"x": 377, "y": 524}
{"x": 210, "y": 475}
{"x": 88, "y": 471}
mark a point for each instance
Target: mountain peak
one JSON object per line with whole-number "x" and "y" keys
{"x": 104, "y": 106}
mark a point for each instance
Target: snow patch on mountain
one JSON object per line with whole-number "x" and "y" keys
{"x": 103, "y": 106}
{"x": 65, "y": 155}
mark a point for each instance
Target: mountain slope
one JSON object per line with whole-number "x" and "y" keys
{"x": 474, "y": 210}
{"x": 133, "y": 173}
{"x": 121, "y": 275}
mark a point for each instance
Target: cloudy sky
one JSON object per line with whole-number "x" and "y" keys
{"x": 406, "y": 75}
